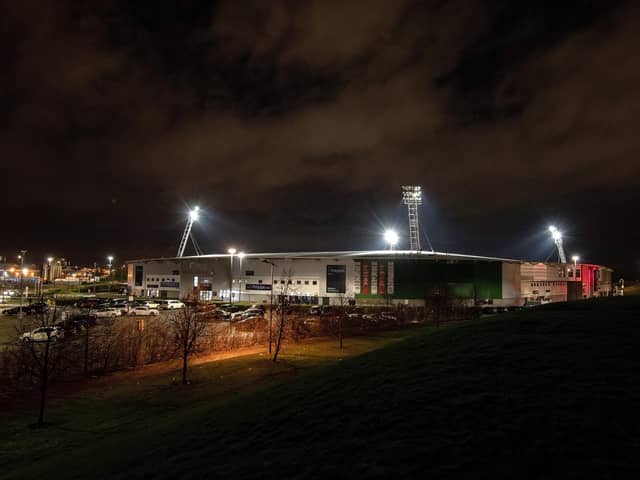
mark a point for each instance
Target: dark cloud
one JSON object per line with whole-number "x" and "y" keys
{"x": 289, "y": 119}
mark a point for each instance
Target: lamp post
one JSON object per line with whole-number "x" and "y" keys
{"x": 271, "y": 303}
{"x": 240, "y": 257}
{"x": 110, "y": 265}
{"x": 391, "y": 237}
{"x": 232, "y": 252}
{"x": 23, "y": 253}
{"x": 48, "y": 275}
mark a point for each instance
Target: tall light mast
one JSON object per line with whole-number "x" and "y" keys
{"x": 557, "y": 238}
{"x": 412, "y": 198}
{"x": 193, "y": 216}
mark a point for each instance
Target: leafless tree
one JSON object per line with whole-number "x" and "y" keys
{"x": 284, "y": 306}
{"x": 45, "y": 350}
{"x": 188, "y": 327}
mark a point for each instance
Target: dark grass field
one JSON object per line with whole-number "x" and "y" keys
{"x": 547, "y": 393}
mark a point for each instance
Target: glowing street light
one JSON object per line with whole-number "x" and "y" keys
{"x": 391, "y": 237}
{"x": 575, "y": 259}
{"x": 241, "y": 256}
{"x": 193, "y": 214}
{"x": 232, "y": 251}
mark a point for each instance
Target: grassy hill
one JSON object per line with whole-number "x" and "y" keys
{"x": 547, "y": 393}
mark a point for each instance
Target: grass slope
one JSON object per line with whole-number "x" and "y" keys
{"x": 548, "y": 393}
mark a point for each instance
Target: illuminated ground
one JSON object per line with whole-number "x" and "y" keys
{"x": 548, "y": 393}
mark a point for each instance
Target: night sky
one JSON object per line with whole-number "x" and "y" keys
{"x": 293, "y": 125}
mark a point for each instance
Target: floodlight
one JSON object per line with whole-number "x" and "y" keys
{"x": 391, "y": 237}
{"x": 232, "y": 251}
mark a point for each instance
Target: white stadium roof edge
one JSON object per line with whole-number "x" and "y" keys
{"x": 348, "y": 253}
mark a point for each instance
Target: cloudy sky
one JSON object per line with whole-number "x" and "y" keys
{"x": 293, "y": 125}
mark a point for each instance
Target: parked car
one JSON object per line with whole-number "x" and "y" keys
{"x": 88, "y": 302}
{"x": 123, "y": 306}
{"x": 356, "y": 313}
{"x": 171, "y": 304}
{"x": 246, "y": 314}
{"x": 107, "y": 313}
{"x": 144, "y": 310}
{"x": 150, "y": 303}
{"x": 16, "y": 311}
{"x": 43, "y": 334}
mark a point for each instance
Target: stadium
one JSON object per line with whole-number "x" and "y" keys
{"x": 374, "y": 277}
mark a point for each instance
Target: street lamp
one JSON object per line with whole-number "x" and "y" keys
{"x": 23, "y": 253}
{"x": 391, "y": 237}
{"x": 232, "y": 252}
{"x": 575, "y": 259}
{"x": 47, "y": 277}
{"x": 271, "y": 303}
{"x": 241, "y": 256}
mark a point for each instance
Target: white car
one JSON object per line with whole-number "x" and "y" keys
{"x": 171, "y": 304}
{"x": 144, "y": 310}
{"x": 246, "y": 314}
{"x": 151, "y": 303}
{"x": 108, "y": 313}
{"x": 42, "y": 334}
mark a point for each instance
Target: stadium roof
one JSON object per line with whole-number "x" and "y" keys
{"x": 387, "y": 254}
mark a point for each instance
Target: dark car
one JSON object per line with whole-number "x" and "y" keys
{"x": 76, "y": 323}
{"x": 88, "y": 302}
{"x": 16, "y": 311}
{"x": 38, "y": 308}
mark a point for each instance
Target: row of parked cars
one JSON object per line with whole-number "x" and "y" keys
{"x": 117, "y": 307}
{"x": 233, "y": 313}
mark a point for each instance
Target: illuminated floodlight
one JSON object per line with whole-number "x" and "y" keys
{"x": 412, "y": 198}
{"x": 193, "y": 214}
{"x": 232, "y": 251}
{"x": 50, "y": 259}
{"x": 241, "y": 255}
{"x": 575, "y": 258}
{"x": 25, "y": 271}
{"x": 557, "y": 238}
{"x": 391, "y": 238}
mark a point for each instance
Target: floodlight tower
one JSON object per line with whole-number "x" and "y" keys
{"x": 557, "y": 237}
{"x": 193, "y": 216}
{"x": 412, "y": 197}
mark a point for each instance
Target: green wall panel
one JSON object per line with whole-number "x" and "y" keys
{"x": 414, "y": 279}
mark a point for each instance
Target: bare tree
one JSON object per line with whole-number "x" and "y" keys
{"x": 284, "y": 306}
{"x": 188, "y": 327}
{"x": 46, "y": 352}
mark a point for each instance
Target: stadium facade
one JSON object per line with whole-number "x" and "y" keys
{"x": 366, "y": 278}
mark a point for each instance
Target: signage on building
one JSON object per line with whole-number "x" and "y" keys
{"x": 257, "y": 286}
{"x": 170, "y": 284}
{"x": 336, "y": 278}
{"x": 374, "y": 278}
{"x": 390, "y": 284}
